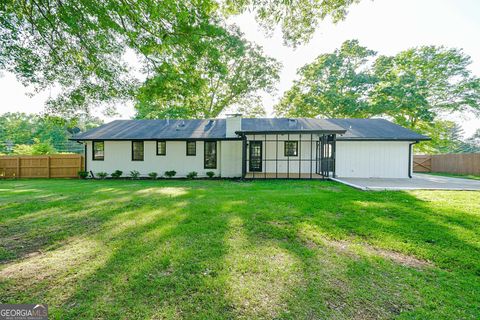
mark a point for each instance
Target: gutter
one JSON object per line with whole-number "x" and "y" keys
{"x": 410, "y": 168}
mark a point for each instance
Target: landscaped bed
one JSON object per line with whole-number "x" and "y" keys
{"x": 224, "y": 249}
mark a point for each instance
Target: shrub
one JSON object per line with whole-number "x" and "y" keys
{"x": 102, "y": 175}
{"x": 134, "y": 174}
{"x": 170, "y": 174}
{"x": 192, "y": 175}
{"x": 83, "y": 174}
{"x": 210, "y": 174}
{"x": 153, "y": 175}
{"x": 117, "y": 174}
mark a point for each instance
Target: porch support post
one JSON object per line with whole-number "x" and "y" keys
{"x": 311, "y": 154}
{"x": 288, "y": 159}
{"x": 244, "y": 156}
{"x": 334, "y": 157}
{"x": 264, "y": 159}
{"x": 253, "y": 171}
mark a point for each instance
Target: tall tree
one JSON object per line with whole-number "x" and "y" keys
{"x": 334, "y": 85}
{"x": 81, "y": 46}
{"x": 422, "y": 84}
{"x": 230, "y": 78}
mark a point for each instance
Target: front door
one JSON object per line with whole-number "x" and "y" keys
{"x": 255, "y": 155}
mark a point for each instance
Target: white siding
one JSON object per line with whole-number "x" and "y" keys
{"x": 372, "y": 159}
{"x": 118, "y": 155}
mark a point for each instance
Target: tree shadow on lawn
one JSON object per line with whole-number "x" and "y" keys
{"x": 243, "y": 250}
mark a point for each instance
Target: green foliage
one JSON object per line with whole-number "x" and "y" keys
{"x": 116, "y": 174}
{"x": 24, "y": 129}
{"x": 134, "y": 174}
{"x": 170, "y": 174}
{"x": 83, "y": 174}
{"x": 153, "y": 175}
{"x": 37, "y": 148}
{"x": 192, "y": 175}
{"x": 219, "y": 81}
{"x": 102, "y": 175}
{"x": 414, "y": 88}
{"x": 335, "y": 85}
{"x": 85, "y": 47}
{"x": 210, "y": 174}
{"x": 298, "y": 19}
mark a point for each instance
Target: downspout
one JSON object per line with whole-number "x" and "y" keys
{"x": 410, "y": 169}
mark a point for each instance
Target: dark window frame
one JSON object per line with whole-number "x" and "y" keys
{"x": 94, "y": 158}
{"x": 165, "y": 149}
{"x": 143, "y": 155}
{"x": 285, "y": 148}
{"x": 195, "y": 151}
{"x": 205, "y": 155}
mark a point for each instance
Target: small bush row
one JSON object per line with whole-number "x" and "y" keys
{"x": 135, "y": 174}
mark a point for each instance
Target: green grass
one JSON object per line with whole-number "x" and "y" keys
{"x": 453, "y": 175}
{"x": 224, "y": 249}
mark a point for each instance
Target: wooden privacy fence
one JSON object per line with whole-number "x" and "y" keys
{"x": 48, "y": 166}
{"x": 463, "y": 163}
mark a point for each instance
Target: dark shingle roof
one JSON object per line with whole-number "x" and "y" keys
{"x": 289, "y": 125}
{"x": 375, "y": 129}
{"x": 347, "y": 129}
{"x": 156, "y": 129}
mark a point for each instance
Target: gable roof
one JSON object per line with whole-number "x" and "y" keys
{"x": 375, "y": 129}
{"x": 157, "y": 129}
{"x": 347, "y": 129}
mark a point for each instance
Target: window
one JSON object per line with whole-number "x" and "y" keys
{"x": 98, "y": 150}
{"x": 137, "y": 150}
{"x": 291, "y": 148}
{"x": 191, "y": 148}
{"x": 210, "y": 155}
{"x": 161, "y": 148}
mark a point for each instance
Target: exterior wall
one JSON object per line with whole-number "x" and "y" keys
{"x": 231, "y": 159}
{"x": 305, "y": 161}
{"x": 372, "y": 159}
{"x": 118, "y": 155}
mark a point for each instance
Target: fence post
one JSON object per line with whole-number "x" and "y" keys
{"x": 48, "y": 167}
{"x": 18, "y": 167}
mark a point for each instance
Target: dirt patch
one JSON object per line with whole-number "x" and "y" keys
{"x": 349, "y": 249}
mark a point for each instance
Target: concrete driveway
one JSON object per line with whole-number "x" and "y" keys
{"x": 418, "y": 182}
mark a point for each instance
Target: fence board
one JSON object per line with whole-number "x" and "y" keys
{"x": 463, "y": 163}
{"x": 51, "y": 166}
{"x": 422, "y": 163}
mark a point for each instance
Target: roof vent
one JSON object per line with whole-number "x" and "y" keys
{"x": 292, "y": 123}
{"x": 181, "y": 124}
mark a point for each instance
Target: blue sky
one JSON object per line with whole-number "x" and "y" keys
{"x": 387, "y": 26}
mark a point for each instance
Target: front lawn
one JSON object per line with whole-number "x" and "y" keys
{"x": 224, "y": 249}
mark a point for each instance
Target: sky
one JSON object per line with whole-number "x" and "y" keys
{"x": 386, "y": 26}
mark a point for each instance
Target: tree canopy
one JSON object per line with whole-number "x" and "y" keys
{"x": 84, "y": 48}
{"x": 23, "y": 133}
{"x": 415, "y": 88}
{"x": 212, "y": 85}
{"x": 334, "y": 85}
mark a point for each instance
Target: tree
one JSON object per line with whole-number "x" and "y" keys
{"x": 334, "y": 85}
{"x": 422, "y": 84}
{"x": 82, "y": 46}
{"x": 25, "y": 129}
{"x": 298, "y": 19}
{"x": 204, "y": 89}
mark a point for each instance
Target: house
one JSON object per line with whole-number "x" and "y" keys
{"x": 253, "y": 148}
